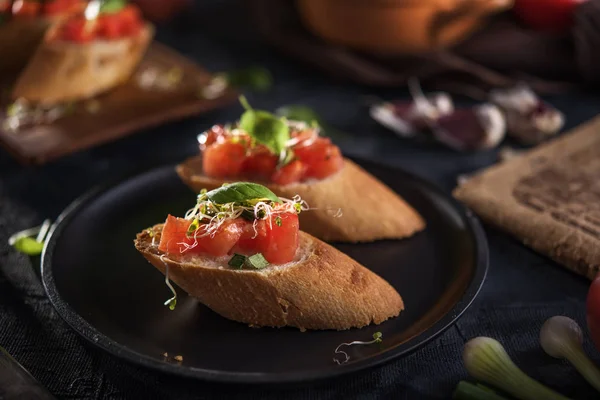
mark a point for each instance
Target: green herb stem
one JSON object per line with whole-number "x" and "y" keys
{"x": 467, "y": 391}
{"x": 583, "y": 364}
{"x": 487, "y": 361}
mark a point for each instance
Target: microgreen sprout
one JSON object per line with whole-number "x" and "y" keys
{"x": 24, "y": 242}
{"x": 208, "y": 215}
{"x": 377, "y": 338}
{"x": 172, "y": 302}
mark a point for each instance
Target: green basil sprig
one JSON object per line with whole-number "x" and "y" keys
{"x": 264, "y": 127}
{"x": 241, "y": 192}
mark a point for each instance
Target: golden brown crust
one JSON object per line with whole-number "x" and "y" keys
{"x": 370, "y": 210}
{"x": 62, "y": 71}
{"x": 326, "y": 289}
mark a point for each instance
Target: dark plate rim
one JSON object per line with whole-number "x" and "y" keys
{"x": 86, "y": 330}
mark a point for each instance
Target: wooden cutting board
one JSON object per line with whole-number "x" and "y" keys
{"x": 120, "y": 112}
{"x": 548, "y": 198}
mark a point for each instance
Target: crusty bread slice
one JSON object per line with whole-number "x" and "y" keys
{"x": 321, "y": 289}
{"x": 62, "y": 71}
{"x": 370, "y": 210}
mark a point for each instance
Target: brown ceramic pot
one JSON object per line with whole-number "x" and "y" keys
{"x": 397, "y": 26}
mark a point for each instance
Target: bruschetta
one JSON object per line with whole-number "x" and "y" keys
{"x": 292, "y": 158}
{"x": 241, "y": 253}
{"x": 82, "y": 57}
{"x": 23, "y": 24}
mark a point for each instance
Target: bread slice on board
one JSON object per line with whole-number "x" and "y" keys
{"x": 61, "y": 71}
{"x": 321, "y": 289}
{"x": 370, "y": 210}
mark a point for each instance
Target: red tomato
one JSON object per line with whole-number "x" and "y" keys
{"x": 547, "y": 15}
{"x": 175, "y": 232}
{"x": 78, "y": 30}
{"x": 109, "y": 26}
{"x": 593, "y": 311}
{"x": 290, "y": 173}
{"x": 321, "y": 157}
{"x": 54, "y": 7}
{"x": 26, "y": 8}
{"x": 260, "y": 165}
{"x": 223, "y": 160}
{"x": 278, "y": 244}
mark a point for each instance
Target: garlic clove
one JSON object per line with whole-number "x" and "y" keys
{"x": 529, "y": 119}
{"x": 476, "y": 128}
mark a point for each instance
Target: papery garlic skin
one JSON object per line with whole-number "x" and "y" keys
{"x": 529, "y": 119}
{"x": 494, "y": 124}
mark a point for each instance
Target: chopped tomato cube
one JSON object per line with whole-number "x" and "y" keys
{"x": 175, "y": 233}
{"x": 278, "y": 244}
{"x": 329, "y": 163}
{"x": 224, "y": 160}
{"x": 290, "y": 173}
{"x": 260, "y": 165}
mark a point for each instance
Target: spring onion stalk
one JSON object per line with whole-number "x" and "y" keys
{"x": 487, "y": 361}
{"x": 467, "y": 391}
{"x": 561, "y": 337}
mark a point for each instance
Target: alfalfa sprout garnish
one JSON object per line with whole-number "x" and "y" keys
{"x": 377, "y": 338}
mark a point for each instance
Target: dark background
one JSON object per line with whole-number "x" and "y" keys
{"x": 522, "y": 290}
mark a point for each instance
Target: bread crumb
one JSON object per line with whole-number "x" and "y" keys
{"x": 178, "y": 358}
{"x": 165, "y": 354}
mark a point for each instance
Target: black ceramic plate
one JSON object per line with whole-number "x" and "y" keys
{"x": 110, "y": 295}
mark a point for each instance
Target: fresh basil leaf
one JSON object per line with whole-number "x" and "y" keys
{"x": 264, "y": 127}
{"x": 29, "y": 246}
{"x": 257, "y": 261}
{"x": 112, "y": 6}
{"x": 241, "y": 192}
{"x": 237, "y": 261}
{"x": 255, "y": 77}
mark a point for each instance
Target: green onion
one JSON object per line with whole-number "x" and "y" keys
{"x": 257, "y": 261}
{"x": 24, "y": 243}
{"x": 487, "y": 361}
{"x": 237, "y": 261}
{"x": 561, "y": 337}
{"x": 468, "y": 391}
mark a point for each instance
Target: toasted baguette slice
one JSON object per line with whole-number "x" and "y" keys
{"x": 321, "y": 289}
{"x": 370, "y": 210}
{"x": 62, "y": 71}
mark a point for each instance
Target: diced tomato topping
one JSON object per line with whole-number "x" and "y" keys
{"x": 175, "y": 232}
{"x": 314, "y": 158}
{"x": 290, "y": 173}
{"x": 260, "y": 165}
{"x": 277, "y": 242}
{"x": 124, "y": 23}
{"x": 223, "y": 160}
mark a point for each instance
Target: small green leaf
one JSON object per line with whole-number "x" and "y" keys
{"x": 193, "y": 227}
{"x": 257, "y": 261}
{"x": 377, "y": 336}
{"x": 29, "y": 246}
{"x": 264, "y": 127}
{"x": 112, "y": 6}
{"x": 255, "y": 77}
{"x": 237, "y": 261}
{"x": 241, "y": 192}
